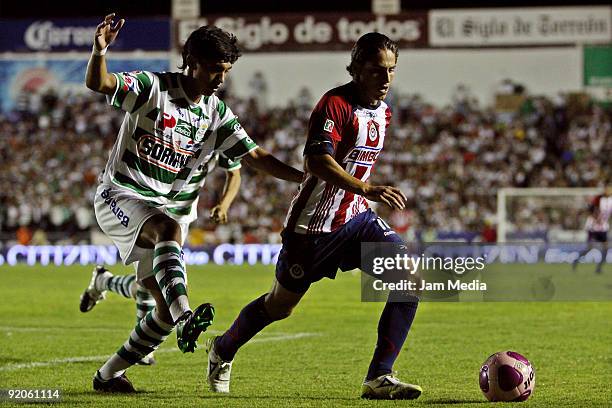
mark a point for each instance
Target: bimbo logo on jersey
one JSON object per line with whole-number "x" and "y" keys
{"x": 363, "y": 156}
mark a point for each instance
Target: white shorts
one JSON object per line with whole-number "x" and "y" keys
{"x": 121, "y": 217}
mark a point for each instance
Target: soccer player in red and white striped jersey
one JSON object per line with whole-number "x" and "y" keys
{"x": 329, "y": 218}
{"x": 597, "y": 226}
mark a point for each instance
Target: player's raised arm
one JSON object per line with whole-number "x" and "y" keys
{"x": 232, "y": 184}
{"x": 97, "y": 78}
{"x": 327, "y": 169}
{"x": 265, "y": 161}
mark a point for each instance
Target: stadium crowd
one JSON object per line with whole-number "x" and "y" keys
{"x": 450, "y": 161}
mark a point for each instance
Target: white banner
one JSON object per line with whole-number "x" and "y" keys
{"x": 516, "y": 26}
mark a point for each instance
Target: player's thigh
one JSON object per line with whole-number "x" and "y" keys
{"x": 369, "y": 228}
{"x": 378, "y": 231}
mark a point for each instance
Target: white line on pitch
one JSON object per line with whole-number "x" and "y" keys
{"x": 84, "y": 359}
{"x": 9, "y": 329}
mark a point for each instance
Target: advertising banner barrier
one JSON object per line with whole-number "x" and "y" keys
{"x": 520, "y": 26}
{"x": 232, "y": 254}
{"x": 53, "y": 35}
{"x": 311, "y": 32}
{"x": 598, "y": 66}
{"x": 238, "y": 254}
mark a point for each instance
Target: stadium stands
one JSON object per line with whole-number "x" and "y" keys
{"x": 449, "y": 160}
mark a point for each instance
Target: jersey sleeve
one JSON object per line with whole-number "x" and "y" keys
{"x": 232, "y": 141}
{"x": 133, "y": 89}
{"x": 227, "y": 164}
{"x": 327, "y": 120}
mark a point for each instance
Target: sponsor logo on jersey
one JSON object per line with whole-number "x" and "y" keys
{"x": 363, "y": 156}
{"x": 185, "y": 128}
{"x": 156, "y": 152}
{"x": 129, "y": 83}
{"x": 328, "y": 126}
{"x": 168, "y": 121}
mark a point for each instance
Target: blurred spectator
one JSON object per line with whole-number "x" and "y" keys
{"x": 258, "y": 86}
{"x": 449, "y": 160}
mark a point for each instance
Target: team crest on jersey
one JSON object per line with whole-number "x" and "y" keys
{"x": 296, "y": 271}
{"x": 201, "y": 133}
{"x": 372, "y": 131}
{"x": 328, "y": 126}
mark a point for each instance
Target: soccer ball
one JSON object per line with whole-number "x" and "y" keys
{"x": 507, "y": 376}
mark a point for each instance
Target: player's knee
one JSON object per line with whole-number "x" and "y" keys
{"x": 168, "y": 230}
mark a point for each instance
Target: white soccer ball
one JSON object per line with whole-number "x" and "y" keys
{"x": 507, "y": 376}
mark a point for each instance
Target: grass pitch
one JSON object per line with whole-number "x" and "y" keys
{"x": 316, "y": 358}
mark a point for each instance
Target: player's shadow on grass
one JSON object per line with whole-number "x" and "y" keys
{"x": 106, "y": 394}
{"x": 282, "y": 398}
{"x": 444, "y": 401}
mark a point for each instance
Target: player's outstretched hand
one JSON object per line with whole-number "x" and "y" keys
{"x": 107, "y": 31}
{"x": 392, "y": 196}
{"x": 218, "y": 214}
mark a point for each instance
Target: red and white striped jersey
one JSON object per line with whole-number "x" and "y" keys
{"x": 353, "y": 135}
{"x": 599, "y": 220}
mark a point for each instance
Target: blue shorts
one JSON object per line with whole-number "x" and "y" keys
{"x": 597, "y": 236}
{"x": 305, "y": 259}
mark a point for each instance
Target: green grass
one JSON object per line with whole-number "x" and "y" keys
{"x": 570, "y": 345}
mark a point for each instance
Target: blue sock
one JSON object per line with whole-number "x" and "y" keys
{"x": 251, "y": 320}
{"x": 393, "y": 327}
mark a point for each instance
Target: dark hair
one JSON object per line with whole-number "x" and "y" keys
{"x": 211, "y": 43}
{"x": 367, "y": 47}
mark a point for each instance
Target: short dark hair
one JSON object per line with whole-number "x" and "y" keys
{"x": 211, "y": 43}
{"x": 367, "y": 47}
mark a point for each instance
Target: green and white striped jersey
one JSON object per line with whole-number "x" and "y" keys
{"x": 167, "y": 141}
{"x": 185, "y": 211}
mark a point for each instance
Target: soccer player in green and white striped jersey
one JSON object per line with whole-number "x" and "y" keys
{"x": 127, "y": 285}
{"x": 173, "y": 125}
